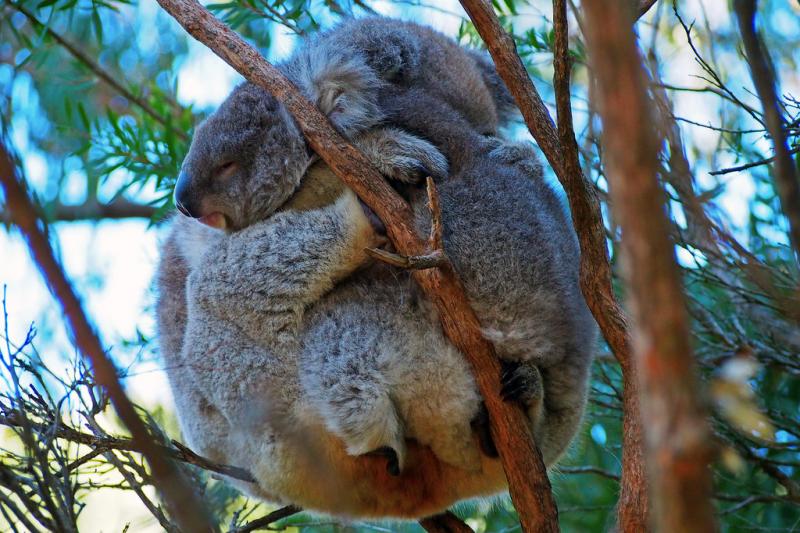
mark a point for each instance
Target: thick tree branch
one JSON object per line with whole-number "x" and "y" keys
{"x": 118, "y": 209}
{"x": 525, "y": 471}
{"x": 677, "y": 435}
{"x": 561, "y": 151}
{"x": 179, "y": 497}
{"x": 762, "y": 72}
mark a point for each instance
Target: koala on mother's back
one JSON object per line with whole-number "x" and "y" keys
{"x": 329, "y": 377}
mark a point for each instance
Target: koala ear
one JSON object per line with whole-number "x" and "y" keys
{"x": 345, "y": 89}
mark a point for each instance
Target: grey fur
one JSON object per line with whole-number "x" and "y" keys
{"x": 298, "y": 354}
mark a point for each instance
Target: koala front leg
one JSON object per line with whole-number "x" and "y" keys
{"x": 262, "y": 278}
{"x": 401, "y": 156}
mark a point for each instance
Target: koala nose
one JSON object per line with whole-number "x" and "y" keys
{"x": 183, "y": 200}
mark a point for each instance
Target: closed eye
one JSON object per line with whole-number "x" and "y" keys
{"x": 226, "y": 169}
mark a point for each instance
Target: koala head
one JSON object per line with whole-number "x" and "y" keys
{"x": 245, "y": 160}
{"x": 249, "y": 157}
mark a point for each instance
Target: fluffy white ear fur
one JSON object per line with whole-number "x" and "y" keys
{"x": 343, "y": 87}
{"x": 195, "y": 239}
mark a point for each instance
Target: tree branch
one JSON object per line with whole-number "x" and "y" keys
{"x": 179, "y": 497}
{"x": 561, "y": 151}
{"x": 528, "y": 483}
{"x": 763, "y": 74}
{"x": 92, "y": 210}
{"x": 677, "y": 436}
{"x": 265, "y": 521}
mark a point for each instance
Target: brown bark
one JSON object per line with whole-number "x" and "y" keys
{"x": 527, "y": 477}
{"x": 762, "y": 72}
{"x": 561, "y": 151}
{"x": 182, "y": 502}
{"x": 677, "y": 435}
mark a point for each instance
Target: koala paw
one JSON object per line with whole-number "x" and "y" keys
{"x": 521, "y": 382}
{"x": 401, "y": 156}
{"x": 392, "y": 459}
{"x": 521, "y": 154}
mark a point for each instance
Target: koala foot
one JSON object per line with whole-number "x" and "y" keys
{"x": 521, "y": 382}
{"x": 392, "y": 459}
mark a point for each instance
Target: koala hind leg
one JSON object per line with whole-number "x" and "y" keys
{"x": 363, "y": 415}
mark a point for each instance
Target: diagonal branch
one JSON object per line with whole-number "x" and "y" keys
{"x": 181, "y": 500}
{"x": 787, "y": 179}
{"x": 528, "y": 483}
{"x": 678, "y": 440}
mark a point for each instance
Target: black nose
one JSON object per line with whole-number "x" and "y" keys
{"x": 182, "y": 197}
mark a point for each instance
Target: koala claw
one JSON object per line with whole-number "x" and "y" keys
{"x": 520, "y": 382}
{"x": 392, "y": 460}
{"x": 480, "y": 425}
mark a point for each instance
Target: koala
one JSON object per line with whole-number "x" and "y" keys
{"x": 327, "y": 376}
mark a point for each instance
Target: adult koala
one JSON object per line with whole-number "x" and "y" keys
{"x": 287, "y": 355}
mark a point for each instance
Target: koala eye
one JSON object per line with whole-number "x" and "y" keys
{"x": 226, "y": 169}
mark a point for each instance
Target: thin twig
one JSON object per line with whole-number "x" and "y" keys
{"x": 265, "y": 521}
{"x": 93, "y": 210}
{"x": 762, "y": 72}
{"x": 100, "y": 445}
